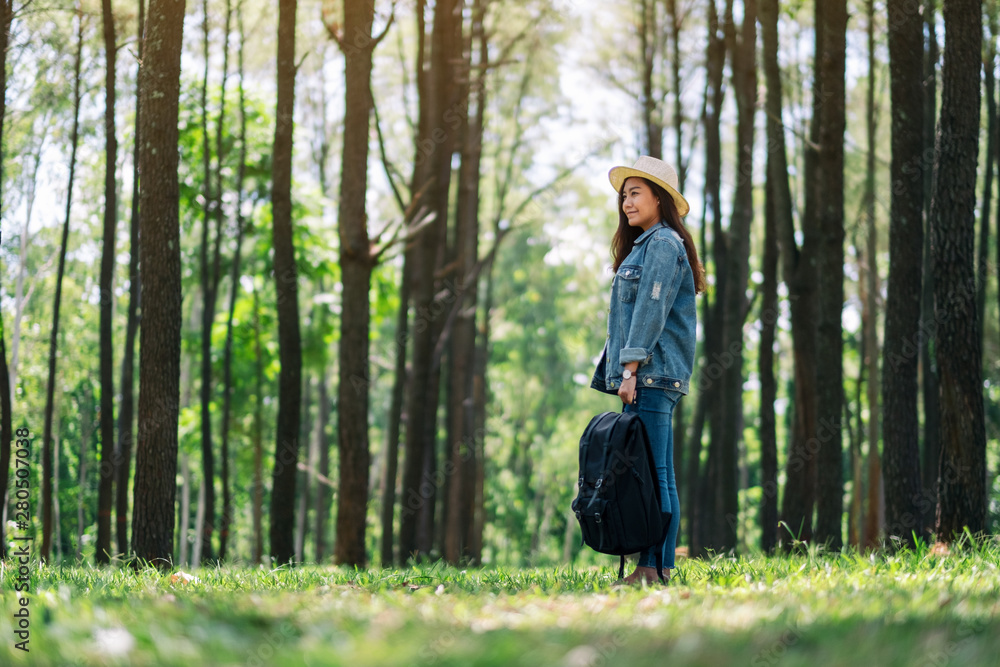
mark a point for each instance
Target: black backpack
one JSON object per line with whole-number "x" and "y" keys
{"x": 618, "y": 504}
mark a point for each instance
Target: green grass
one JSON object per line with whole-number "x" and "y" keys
{"x": 847, "y": 609}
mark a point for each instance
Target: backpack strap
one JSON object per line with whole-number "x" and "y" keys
{"x": 621, "y": 568}
{"x": 659, "y": 565}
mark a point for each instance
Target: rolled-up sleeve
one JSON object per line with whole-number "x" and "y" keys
{"x": 658, "y": 287}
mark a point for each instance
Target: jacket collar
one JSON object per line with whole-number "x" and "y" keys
{"x": 649, "y": 232}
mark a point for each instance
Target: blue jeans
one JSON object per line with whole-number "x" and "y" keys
{"x": 656, "y": 409}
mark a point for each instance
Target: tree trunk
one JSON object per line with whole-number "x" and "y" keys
{"x": 322, "y": 490}
{"x": 356, "y": 264}
{"x": 432, "y": 172}
{"x": 206, "y": 509}
{"x": 874, "y": 522}
{"x": 395, "y": 417}
{"x": 479, "y": 394}
{"x": 160, "y": 337}
{"x": 778, "y": 217}
{"x": 829, "y": 103}
{"x": 199, "y": 526}
{"x": 87, "y": 431}
{"x": 901, "y": 426}
{"x": 459, "y": 524}
{"x": 963, "y": 438}
{"x": 105, "y": 489}
{"x": 871, "y": 277}
{"x": 799, "y": 276}
{"x": 692, "y": 504}
{"x": 50, "y": 385}
{"x": 286, "y": 454}
{"x": 706, "y": 526}
{"x": 743, "y": 62}
{"x": 930, "y": 385}
{"x": 769, "y": 289}
{"x": 649, "y": 39}
{"x": 304, "y": 483}
{"x": 982, "y": 266}
{"x": 185, "y": 512}
{"x": 855, "y": 515}
{"x": 258, "y": 426}
{"x": 411, "y": 272}
{"x": 126, "y": 412}
{"x": 57, "y": 516}
{"x": 676, "y": 22}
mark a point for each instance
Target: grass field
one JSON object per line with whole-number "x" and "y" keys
{"x": 920, "y": 608}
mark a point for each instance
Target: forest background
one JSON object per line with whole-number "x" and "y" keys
{"x": 393, "y": 357}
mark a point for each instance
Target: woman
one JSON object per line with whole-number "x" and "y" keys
{"x": 649, "y": 353}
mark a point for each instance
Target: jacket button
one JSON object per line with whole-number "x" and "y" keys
{"x": 649, "y": 380}
{"x": 677, "y": 384}
{"x": 612, "y": 385}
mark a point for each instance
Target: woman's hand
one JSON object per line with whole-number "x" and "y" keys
{"x": 626, "y": 391}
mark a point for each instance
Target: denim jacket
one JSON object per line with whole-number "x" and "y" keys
{"x": 652, "y": 318}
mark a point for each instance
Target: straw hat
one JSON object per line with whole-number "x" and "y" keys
{"x": 658, "y": 172}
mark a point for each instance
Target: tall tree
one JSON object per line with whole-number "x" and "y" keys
{"x": 401, "y": 379}
{"x": 462, "y": 452}
{"x": 323, "y": 495}
{"x": 743, "y": 61}
{"x": 962, "y": 476}
{"x": 123, "y": 449}
{"x": 209, "y": 283}
{"x": 258, "y": 423}
{"x": 234, "y": 281}
{"x": 438, "y": 91}
{"x": 286, "y": 284}
{"x": 901, "y": 426}
{"x": 649, "y": 55}
{"x": 777, "y": 215}
{"x": 701, "y": 500}
{"x": 989, "y": 79}
{"x": 105, "y": 488}
{"x": 868, "y": 290}
{"x": 356, "y": 264}
{"x": 929, "y": 372}
{"x": 160, "y": 337}
{"x": 675, "y": 21}
{"x": 799, "y": 274}
{"x": 47, "y": 474}
{"x": 829, "y": 104}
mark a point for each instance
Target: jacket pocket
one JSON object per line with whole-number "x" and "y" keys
{"x": 627, "y": 281}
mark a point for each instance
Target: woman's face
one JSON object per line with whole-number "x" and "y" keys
{"x": 639, "y": 204}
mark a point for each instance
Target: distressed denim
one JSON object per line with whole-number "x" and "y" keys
{"x": 652, "y": 318}
{"x": 656, "y": 410}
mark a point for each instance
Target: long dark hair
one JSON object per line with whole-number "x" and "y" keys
{"x": 625, "y": 235}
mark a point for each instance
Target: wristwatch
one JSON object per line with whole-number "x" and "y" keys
{"x": 626, "y": 374}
